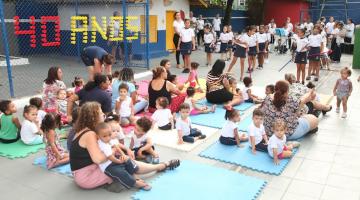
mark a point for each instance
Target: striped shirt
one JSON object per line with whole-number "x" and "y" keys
{"x": 214, "y": 83}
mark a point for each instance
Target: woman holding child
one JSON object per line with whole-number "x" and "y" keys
{"x": 282, "y": 106}
{"x": 52, "y": 84}
{"x": 217, "y": 86}
{"x": 85, "y": 154}
{"x": 160, "y": 87}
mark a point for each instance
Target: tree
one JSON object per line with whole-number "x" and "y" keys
{"x": 228, "y": 9}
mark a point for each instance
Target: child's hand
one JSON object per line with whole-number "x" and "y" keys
{"x": 58, "y": 157}
{"x": 276, "y": 160}
{"x": 130, "y": 154}
{"x": 123, "y": 158}
{"x": 140, "y": 154}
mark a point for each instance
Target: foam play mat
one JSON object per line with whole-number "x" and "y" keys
{"x": 245, "y": 123}
{"x": 243, "y": 156}
{"x": 199, "y": 181}
{"x": 63, "y": 169}
{"x": 242, "y": 107}
{"x": 214, "y": 120}
{"x": 170, "y": 138}
{"x": 18, "y": 149}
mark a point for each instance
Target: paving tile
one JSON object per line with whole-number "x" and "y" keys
{"x": 305, "y": 188}
{"x": 345, "y": 182}
{"x": 294, "y": 196}
{"x": 313, "y": 171}
{"x": 292, "y": 167}
{"x": 279, "y": 183}
{"x": 351, "y": 170}
{"x": 333, "y": 193}
{"x": 271, "y": 194}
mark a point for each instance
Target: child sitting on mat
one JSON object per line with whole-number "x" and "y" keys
{"x": 183, "y": 126}
{"x": 62, "y": 105}
{"x": 193, "y": 77}
{"x": 36, "y": 101}
{"x": 257, "y": 134}
{"x": 194, "y": 108}
{"x": 121, "y": 169}
{"x": 162, "y": 116}
{"x": 229, "y": 132}
{"x": 55, "y": 153}
{"x": 233, "y": 87}
{"x": 277, "y": 147}
{"x": 247, "y": 94}
{"x": 31, "y": 133}
{"x": 141, "y": 143}
{"x": 124, "y": 106}
{"x": 9, "y": 124}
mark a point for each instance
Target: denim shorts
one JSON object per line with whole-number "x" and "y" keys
{"x": 301, "y": 130}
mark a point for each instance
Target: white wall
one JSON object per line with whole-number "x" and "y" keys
{"x": 157, "y": 8}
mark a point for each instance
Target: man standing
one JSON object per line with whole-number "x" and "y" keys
{"x": 217, "y": 25}
{"x": 95, "y": 58}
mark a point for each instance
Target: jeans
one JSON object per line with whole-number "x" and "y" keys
{"x": 123, "y": 173}
{"x": 193, "y": 133}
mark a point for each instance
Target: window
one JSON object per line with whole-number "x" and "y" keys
{"x": 240, "y": 5}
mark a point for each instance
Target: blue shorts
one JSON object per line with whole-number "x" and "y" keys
{"x": 301, "y": 130}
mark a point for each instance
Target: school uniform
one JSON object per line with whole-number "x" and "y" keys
{"x": 301, "y": 52}
{"x": 276, "y": 143}
{"x": 162, "y": 118}
{"x": 314, "y": 44}
{"x": 188, "y": 133}
{"x": 230, "y": 37}
{"x": 224, "y": 39}
{"x": 252, "y": 45}
{"x": 227, "y": 133}
{"x": 262, "y": 39}
{"x": 178, "y": 26}
{"x": 258, "y": 134}
{"x": 139, "y": 143}
{"x": 186, "y": 36}
{"x": 208, "y": 42}
{"x": 240, "y": 49}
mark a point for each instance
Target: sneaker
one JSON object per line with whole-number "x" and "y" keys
{"x": 325, "y": 111}
{"x": 266, "y": 61}
{"x": 186, "y": 70}
{"x": 337, "y": 110}
{"x": 316, "y": 79}
{"x": 308, "y": 78}
{"x": 344, "y": 115}
{"x": 149, "y": 159}
{"x": 202, "y": 137}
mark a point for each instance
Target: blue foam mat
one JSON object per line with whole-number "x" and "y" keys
{"x": 242, "y": 107}
{"x": 63, "y": 169}
{"x": 261, "y": 162}
{"x": 199, "y": 181}
{"x": 214, "y": 120}
{"x": 245, "y": 123}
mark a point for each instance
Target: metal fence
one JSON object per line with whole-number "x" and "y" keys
{"x": 38, "y": 34}
{"x": 338, "y": 14}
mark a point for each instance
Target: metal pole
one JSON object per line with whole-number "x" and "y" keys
{"x": 6, "y": 49}
{"x": 77, "y": 35}
{"x": 147, "y": 27}
{"x": 125, "y": 34}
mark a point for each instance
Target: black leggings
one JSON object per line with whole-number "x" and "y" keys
{"x": 230, "y": 141}
{"x": 200, "y": 36}
{"x": 219, "y": 96}
{"x": 5, "y": 141}
{"x": 191, "y": 138}
{"x": 166, "y": 127}
{"x": 176, "y": 42}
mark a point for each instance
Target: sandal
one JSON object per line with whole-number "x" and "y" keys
{"x": 146, "y": 187}
{"x": 202, "y": 137}
{"x": 308, "y": 78}
{"x": 171, "y": 165}
{"x": 325, "y": 111}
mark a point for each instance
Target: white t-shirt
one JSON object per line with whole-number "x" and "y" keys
{"x": 329, "y": 27}
{"x": 224, "y": 37}
{"x": 106, "y": 149}
{"x": 188, "y": 101}
{"x": 162, "y": 117}
{"x": 116, "y": 28}
{"x": 245, "y": 94}
{"x": 231, "y": 35}
{"x": 28, "y": 131}
{"x": 315, "y": 40}
{"x": 308, "y": 26}
{"x": 268, "y": 36}
{"x": 261, "y": 37}
{"x": 200, "y": 24}
{"x": 301, "y": 43}
{"x": 138, "y": 142}
{"x": 276, "y": 143}
{"x": 216, "y": 24}
{"x": 209, "y": 38}
{"x": 40, "y": 116}
{"x": 243, "y": 38}
{"x": 251, "y": 40}
{"x": 256, "y": 132}
{"x": 187, "y": 34}
{"x": 349, "y": 30}
{"x": 125, "y": 107}
{"x": 228, "y": 129}
{"x": 290, "y": 27}
{"x": 178, "y": 26}
{"x": 183, "y": 126}
{"x": 114, "y": 142}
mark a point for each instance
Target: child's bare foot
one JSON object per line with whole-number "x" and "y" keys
{"x": 228, "y": 107}
{"x": 213, "y": 107}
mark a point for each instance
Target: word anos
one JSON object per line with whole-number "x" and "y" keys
{"x": 112, "y": 31}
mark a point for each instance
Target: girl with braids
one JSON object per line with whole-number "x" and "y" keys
{"x": 127, "y": 76}
{"x": 282, "y": 106}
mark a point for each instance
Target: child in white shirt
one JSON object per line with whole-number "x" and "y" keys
{"x": 141, "y": 144}
{"x": 36, "y": 101}
{"x": 124, "y": 106}
{"x": 162, "y": 116}
{"x": 121, "y": 169}
{"x": 229, "y": 132}
{"x": 194, "y": 108}
{"x": 183, "y": 126}
{"x": 301, "y": 55}
{"x": 224, "y": 39}
{"x": 257, "y": 134}
{"x": 247, "y": 94}
{"x": 31, "y": 133}
{"x": 209, "y": 43}
{"x": 277, "y": 147}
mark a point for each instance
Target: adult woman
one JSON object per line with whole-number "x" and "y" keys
{"x": 297, "y": 90}
{"x": 115, "y": 45}
{"x": 94, "y": 58}
{"x": 160, "y": 87}
{"x": 85, "y": 154}
{"x": 281, "y": 105}
{"x": 217, "y": 86}
{"x": 200, "y": 26}
{"x": 178, "y": 24}
{"x": 338, "y": 40}
{"x": 93, "y": 91}
{"x": 350, "y": 26}
{"x": 127, "y": 76}
{"x": 52, "y": 84}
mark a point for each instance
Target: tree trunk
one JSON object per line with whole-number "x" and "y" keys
{"x": 228, "y": 10}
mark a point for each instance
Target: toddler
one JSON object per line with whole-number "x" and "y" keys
{"x": 31, "y": 133}
{"x": 342, "y": 90}
{"x": 78, "y": 84}
{"x": 62, "y": 104}
{"x": 183, "y": 126}
{"x": 194, "y": 108}
{"x": 193, "y": 77}
{"x": 247, "y": 95}
{"x": 229, "y": 132}
{"x": 124, "y": 106}
{"x": 269, "y": 89}
{"x": 36, "y": 101}
{"x": 257, "y": 134}
{"x": 9, "y": 124}
{"x": 162, "y": 116}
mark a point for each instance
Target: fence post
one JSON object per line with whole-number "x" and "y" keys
{"x": 77, "y": 35}
{"x": 125, "y": 33}
{"x": 147, "y": 27}
{"x": 6, "y": 48}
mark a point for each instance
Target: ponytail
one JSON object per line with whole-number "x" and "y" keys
{"x": 230, "y": 113}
